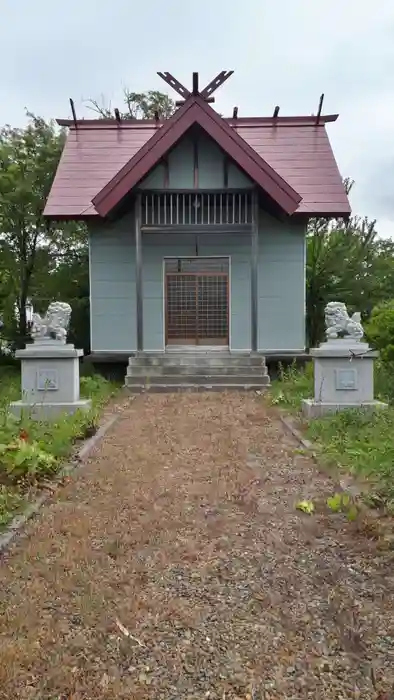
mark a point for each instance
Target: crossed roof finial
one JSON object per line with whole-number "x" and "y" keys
{"x": 206, "y": 93}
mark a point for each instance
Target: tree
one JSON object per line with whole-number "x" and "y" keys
{"x": 346, "y": 261}
{"x": 137, "y": 105}
{"x": 69, "y": 281}
{"x": 30, "y": 247}
{"x": 38, "y": 258}
{"x": 380, "y": 330}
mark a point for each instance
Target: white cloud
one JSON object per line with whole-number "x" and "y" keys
{"x": 284, "y": 53}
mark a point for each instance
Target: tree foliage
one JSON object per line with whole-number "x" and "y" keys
{"x": 43, "y": 260}
{"x": 346, "y": 261}
{"x": 136, "y": 105}
{"x": 30, "y": 247}
{"x": 380, "y": 330}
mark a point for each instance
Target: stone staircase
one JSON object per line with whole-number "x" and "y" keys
{"x": 196, "y": 371}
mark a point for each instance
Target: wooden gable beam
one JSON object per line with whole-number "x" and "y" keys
{"x": 205, "y": 94}
{"x": 175, "y": 84}
{"x": 73, "y": 113}
{"x": 319, "y": 110}
{"x": 216, "y": 83}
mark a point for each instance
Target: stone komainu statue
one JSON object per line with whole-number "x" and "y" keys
{"x": 339, "y": 323}
{"x": 54, "y": 324}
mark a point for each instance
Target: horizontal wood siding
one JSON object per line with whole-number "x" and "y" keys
{"x": 112, "y": 286}
{"x": 281, "y": 285}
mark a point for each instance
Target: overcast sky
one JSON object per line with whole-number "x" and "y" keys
{"x": 284, "y": 52}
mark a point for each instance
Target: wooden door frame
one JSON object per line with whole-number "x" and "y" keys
{"x": 197, "y": 274}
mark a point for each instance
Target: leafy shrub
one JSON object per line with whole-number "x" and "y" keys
{"x": 26, "y": 461}
{"x": 32, "y": 450}
{"x": 96, "y": 387}
{"x": 384, "y": 381}
{"x": 380, "y": 330}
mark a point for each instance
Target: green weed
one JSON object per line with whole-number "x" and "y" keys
{"x": 10, "y": 501}
{"x": 356, "y": 441}
{"x": 31, "y": 450}
{"x": 342, "y": 502}
{"x": 292, "y": 385}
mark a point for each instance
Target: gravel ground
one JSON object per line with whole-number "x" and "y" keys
{"x": 175, "y": 566}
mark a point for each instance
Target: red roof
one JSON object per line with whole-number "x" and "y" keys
{"x": 196, "y": 111}
{"x": 289, "y": 157}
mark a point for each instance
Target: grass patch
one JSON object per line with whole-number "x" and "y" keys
{"x": 33, "y": 451}
{"x": 360, "y": 443}
{"x": 384, "y": 381}
{"x": 356, "y": 441}
{"x": 292, "y": 385}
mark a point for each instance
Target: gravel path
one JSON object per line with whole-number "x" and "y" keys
{"x": 175, "y": 566}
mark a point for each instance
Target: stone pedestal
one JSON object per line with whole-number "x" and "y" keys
{"x": 50, "y": 380}
{"x": 343, "y": 378}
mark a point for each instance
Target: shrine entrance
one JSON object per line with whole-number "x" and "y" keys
{"x": 197, "y": 301}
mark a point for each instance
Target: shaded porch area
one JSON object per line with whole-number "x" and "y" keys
{"x": 196, "y": 288}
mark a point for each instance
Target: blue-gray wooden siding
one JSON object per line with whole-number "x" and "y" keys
{"x": 210, "y": 168}
{"x": 281, "y": 284}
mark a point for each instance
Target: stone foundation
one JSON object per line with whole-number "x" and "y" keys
{"x": 314, "y": 409}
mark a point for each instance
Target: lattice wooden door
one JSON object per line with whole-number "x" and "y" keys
{"x": 197, "y": 308}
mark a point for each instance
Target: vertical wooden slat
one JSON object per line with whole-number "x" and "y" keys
{"x": 166, "y": 173}
{"x": 228, "y": 308}
{"x": 138, "y": 274}
{"x": 196, "y": 208}
{"x": 225, "y": 172}
{"x": 254, "y": 271}
{"x": 166, "y": 308}
{"x": 197, "y": 320}
{"x": 195, "y": 163}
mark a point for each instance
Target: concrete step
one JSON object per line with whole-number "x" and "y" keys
{"x": 197, "y": 360}
{"x": 176, "y": 388}
{"x": 174, "y": 370}
{"x": 197, "y": 379}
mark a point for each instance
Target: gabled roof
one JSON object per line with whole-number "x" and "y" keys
{"x": 294, "y": 149}
{"x": 196, "y": 111}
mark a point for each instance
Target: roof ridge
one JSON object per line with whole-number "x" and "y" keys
{"x": 239, "y": 121}
{"x": 195, "y": 111}
{"x": 302, "y": 156}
